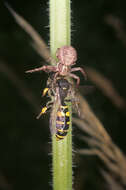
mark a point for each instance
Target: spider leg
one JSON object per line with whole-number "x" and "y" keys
{"x": 81, "y": 70}
{"x": 46, "y": 68}
{"x": 75, "y": 77}
{"x": 55, "y": 77}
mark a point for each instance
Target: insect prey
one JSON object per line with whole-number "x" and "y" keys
{"x": 58, "y": 93}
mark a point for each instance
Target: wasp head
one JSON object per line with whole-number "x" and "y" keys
{"x": 63, "y": 86}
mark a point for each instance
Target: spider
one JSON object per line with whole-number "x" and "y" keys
{"x": 67, "y": 57}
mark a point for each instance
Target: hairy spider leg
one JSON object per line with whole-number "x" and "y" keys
{"x": 46, "y": 68}
{"x": 81, "y": 70}
{"x": 75, "y": 77}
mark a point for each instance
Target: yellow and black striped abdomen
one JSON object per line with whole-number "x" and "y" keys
{"x": 62, "y": 122}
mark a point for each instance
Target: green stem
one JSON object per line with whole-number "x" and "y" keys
{"x": 59, "y": 24}
{"x": 61, "y": 150}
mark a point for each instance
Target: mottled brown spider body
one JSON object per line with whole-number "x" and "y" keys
{"x": 67, "y": 57}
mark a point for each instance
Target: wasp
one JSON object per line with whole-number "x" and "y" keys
{"x": 59, "y": 93}
{"x": 63, "y": 115}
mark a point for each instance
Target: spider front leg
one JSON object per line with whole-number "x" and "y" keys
{"x": 46, "y": 68}
{"x": 81, "y": 70}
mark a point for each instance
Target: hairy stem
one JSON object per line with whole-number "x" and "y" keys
{"x": 59, "y": 24}
{"x": 61, "y": 150}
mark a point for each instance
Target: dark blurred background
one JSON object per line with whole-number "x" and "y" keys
{"x": 25, "y": 145}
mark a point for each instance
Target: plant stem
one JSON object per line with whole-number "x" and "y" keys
{"x": 59, "y": 24}
{"x": 61, "y": 150}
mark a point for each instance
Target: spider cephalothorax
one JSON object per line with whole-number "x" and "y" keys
{"x": 67, "y": 57}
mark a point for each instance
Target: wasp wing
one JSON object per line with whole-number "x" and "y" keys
{"x": 52, "y": 122}
{"x": 53, "y": 115}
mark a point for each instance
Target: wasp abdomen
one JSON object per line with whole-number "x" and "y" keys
{"x": 62, "y": 122}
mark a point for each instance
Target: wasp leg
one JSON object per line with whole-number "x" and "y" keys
{"x": 51, "y": 93}
{"x": 45, "y": 91}
{"x": 46, "y": 68}
{"x": 44, "y": 109}
{"x": 49, "y": 104}
{"x": 81, "y": 70}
